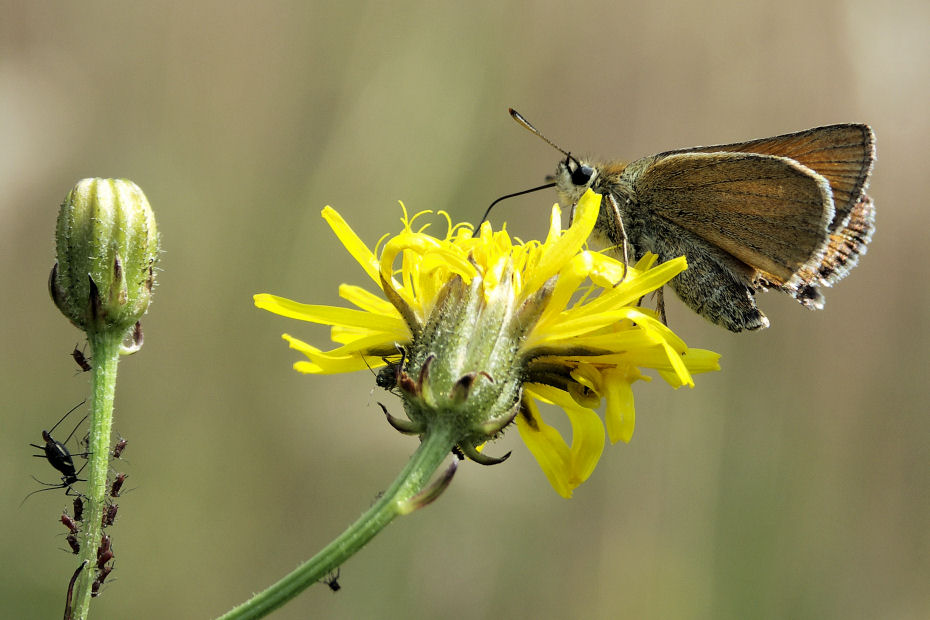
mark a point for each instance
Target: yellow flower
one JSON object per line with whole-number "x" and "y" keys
{"x": 556, "y": 323}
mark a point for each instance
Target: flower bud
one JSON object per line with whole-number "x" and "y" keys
{"x": 107, "y": 245}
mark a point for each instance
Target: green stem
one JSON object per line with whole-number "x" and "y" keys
{"x": 104, "y": 347}
{"x": 435, "y": 447}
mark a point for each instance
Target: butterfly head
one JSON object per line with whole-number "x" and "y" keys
{"x": 573, "y": 178}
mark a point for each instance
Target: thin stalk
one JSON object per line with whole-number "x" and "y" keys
{"x": 435, "y": 447}
{"x": 104, "y": 347}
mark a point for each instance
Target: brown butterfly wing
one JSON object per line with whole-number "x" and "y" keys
{"x": 841, "y": 254}
{"x": 843, "y": 154}
{"x": 769, "y": 212}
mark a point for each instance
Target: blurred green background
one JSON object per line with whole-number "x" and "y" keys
{"x": 793, "y": 484}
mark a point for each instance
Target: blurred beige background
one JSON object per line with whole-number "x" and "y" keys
{"x": 794, "y": 484}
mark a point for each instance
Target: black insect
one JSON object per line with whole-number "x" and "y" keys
{"x": 80, "y": 359}
{"x": 386, "y": 378}
{"x": 78, "y": 508}
{"x": 119, "y": 447}
{"x": 117, "y": 484}
{"x": 59, "y": 457}
{"x": 333, "y": 581}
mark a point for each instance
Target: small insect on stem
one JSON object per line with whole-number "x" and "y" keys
{"x": 59, "y": 457}
{"x": 104, "y": 545}
{"x": 78, "y": 508}
{"x": 80, "y": 359}
{"x": 104, "y": 552}
{"x": 73, "y": 543}
{"x": 333, "y": 581}
{"x": 69, "y": 523}
{"x": 109, "y": 515}
{"x": 101, "y": 576}
{"x": 117, "y": 484}
{"x": 119, "y": 447}
{"x": 103, "y": 559}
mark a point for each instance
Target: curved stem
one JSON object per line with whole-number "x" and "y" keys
{"x": 436, "y": 445}
{"x": 104, "y": 347}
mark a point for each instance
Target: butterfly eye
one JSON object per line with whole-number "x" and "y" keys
{"x": 582, "y": 174}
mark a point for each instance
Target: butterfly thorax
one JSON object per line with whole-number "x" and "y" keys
{"x": 613, "y": 182}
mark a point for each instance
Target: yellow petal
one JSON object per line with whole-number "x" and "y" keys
{"x": 566, "y": 287}
{"x": 366, "y": 300}
{"x": 352, "y": 243}
{"x": 560, "y": 251}
{"x": 330, "y": 315}
{"x": 322, "y": 362}
{"x": 620, "y": 415}
{"x": 569, "y": 467}
{"x": 587, "y": 443}
{"x": 547, "y": 446}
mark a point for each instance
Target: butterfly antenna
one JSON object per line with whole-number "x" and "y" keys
{"x": 528, "y": 125}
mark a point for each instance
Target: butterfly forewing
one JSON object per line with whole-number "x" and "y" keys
{"x": 767, "y": 211}
{"x": 841, "y": 153}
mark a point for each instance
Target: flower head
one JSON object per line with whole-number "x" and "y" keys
{"x": 107, "y": 248}
{"x": 474, "y": 329}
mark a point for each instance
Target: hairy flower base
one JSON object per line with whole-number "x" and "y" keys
{"x": 570, "y": 330}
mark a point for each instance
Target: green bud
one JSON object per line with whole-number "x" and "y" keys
{"x": 107, "y": 246}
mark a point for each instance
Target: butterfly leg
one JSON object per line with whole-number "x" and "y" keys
{"x": 660, "y": 305}
{"x": 625, "y": 240}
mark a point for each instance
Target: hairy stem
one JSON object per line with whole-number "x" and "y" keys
{"x": 435, "y": 447}
{"x": 104, "y": 348}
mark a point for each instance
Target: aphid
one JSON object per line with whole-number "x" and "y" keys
{"x": 104, "y": 558}
{"x": 117, "y": 484}
{"x": 80, "y": 359}
{"x": 59, "y": 457}
{"x": 119, "y": 447}
{"x": 73, "y": 543}
{"x": 69, "y": 523}
{"x": 109, "y": 515}
{"x": 333, "y": 581}
{"x": 101, "y": 576}
{"x": 78, "y": 508}
{"x": 104, "y": 544}
{"x": 71, "y": 583}
{"x": 104, "y": 552}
